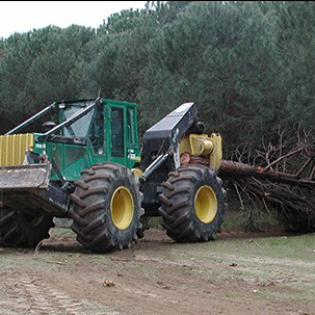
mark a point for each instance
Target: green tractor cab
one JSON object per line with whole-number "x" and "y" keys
{"x": 87, "y": 133}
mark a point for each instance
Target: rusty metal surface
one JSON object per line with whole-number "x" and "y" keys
{"x": 187, "y": 158}
{"x": 35, "y": 176}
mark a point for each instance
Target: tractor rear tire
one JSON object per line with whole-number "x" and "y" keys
{"x": 19, "y": 229}
{"x": 192, "y": 204}
{"x": 106, "y": 208}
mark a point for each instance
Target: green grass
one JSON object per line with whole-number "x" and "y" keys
{"x": 155, "y": 223}
{"x": 286, "y": 264}
{"x": 250, "y": 220}
{"x": 276, "y": 268}
{"x": 294, "y": 247}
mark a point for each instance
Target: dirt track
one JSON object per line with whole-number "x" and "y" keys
{"x": 156, "y": 276}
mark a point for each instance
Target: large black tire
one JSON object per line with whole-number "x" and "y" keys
{"x": 19, "y": 229}
{"x": 192, "y": 204}
{"x": 106, "y": 208}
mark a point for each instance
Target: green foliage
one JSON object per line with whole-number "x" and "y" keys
{"x": 39, "y": 67}
{"x": 247, "y": 65}
{"x": 251, "y": 220}
{"x": 295, "y": 50}
{"x": 126, "y": 20}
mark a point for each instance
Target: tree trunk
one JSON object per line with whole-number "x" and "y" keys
{"x": 231, "y": 169}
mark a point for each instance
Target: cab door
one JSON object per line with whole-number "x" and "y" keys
{"x": 116, "y": 135}
{"x": 133, "y": 153}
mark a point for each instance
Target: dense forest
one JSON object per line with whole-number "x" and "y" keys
{"x": 246, "y": 64}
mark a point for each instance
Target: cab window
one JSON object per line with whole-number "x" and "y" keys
{"x": 117, "y": 137}
{"x": 96, "y": 132}
{"x": 79, "y": 128}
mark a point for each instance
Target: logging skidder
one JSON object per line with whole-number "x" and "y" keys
{"x": 88, "y": 166}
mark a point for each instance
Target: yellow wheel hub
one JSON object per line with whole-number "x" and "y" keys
{"x": 206, "y": 204}
{"x": 122, "y": 208}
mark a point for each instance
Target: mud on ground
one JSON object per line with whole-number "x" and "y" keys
{"x": 236, "y": 275}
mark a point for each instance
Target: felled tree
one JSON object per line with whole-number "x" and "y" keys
{"x": 281, "y": 175}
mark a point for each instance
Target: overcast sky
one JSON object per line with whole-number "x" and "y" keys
{"x": 24, "y": 16}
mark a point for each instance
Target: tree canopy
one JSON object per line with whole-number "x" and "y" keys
{"x": 246, "y": 64}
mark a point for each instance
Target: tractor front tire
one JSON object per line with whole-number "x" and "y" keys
{"x": 106, "y": 208}
{"x": 20, "y": 229}
{"x": 192, "y": 204}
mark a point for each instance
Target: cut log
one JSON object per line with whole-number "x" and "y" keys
{"x": 231, "y": 169}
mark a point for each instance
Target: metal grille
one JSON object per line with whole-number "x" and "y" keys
{"x": 13, "y": 148}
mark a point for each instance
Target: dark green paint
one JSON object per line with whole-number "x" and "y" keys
{"x": 100, "y": 141}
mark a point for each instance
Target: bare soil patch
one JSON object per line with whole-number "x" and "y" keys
{"x": 157, "y": 276}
